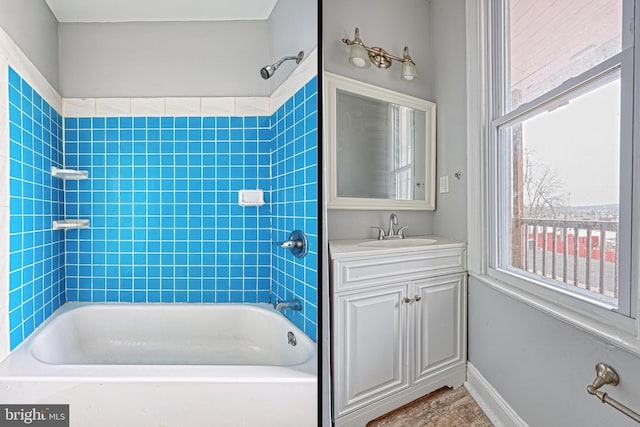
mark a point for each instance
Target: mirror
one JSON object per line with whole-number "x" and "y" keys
{"x": 381, "y": 147}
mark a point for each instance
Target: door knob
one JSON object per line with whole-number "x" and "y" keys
{"x": 417, "y": 298}
{"x": 406, "y": 300}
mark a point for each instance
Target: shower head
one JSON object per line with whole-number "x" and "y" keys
{"x": 268, "y": 70}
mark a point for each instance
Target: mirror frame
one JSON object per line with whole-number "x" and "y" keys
{"x": 333, "y": 83}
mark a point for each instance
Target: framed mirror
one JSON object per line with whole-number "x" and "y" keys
{"x": 381, "y": 147}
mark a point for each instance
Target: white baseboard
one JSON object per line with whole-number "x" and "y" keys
{"x": 488, "y": 398}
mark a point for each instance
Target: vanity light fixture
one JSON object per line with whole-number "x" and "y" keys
{"x": 362, "y": 56}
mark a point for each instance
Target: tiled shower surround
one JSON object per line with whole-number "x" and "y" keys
{"x": 165, "y": 223}
{"x": 163, "y": 207}
{"x": 294, "y": 202}
{"x": 36, "y": 278}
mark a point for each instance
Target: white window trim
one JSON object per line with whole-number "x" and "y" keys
{"x": 614, "y": 328}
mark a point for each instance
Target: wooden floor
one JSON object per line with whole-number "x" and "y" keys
{"x": 442, "y": 408}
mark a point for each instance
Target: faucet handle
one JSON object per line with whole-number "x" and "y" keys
{"x": 401, "y": 231}
{"x": 380, "y": 232}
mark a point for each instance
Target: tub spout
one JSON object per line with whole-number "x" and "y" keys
{"x": 288, "y": 305}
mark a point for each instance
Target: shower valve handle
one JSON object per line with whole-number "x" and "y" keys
{"x": 288, "y": 244}
{"x": 297, "y": 244}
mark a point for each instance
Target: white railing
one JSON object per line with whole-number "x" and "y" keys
{"x": 579, "y": 253}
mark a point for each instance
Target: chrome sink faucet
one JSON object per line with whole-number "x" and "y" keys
{"x": 391, "y": 233}
{"x": 393, "y": 220}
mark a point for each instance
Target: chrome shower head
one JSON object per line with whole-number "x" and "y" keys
{"x": 268, "y": 70}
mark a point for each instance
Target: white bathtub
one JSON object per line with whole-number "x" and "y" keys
{"x": 167, "y": 365}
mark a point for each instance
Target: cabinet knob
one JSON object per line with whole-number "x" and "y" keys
{"x": 417, "y": 298}
{"x": 406, "y": 300}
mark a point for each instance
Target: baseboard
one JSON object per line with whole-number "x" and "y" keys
{"x": 488, "y": 398}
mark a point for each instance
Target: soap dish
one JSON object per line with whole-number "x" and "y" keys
{"x": 250, "y": 197}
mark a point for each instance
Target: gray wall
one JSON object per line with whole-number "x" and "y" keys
{"x": 387, "y": 25}
{"x": 34, "y": 29}
{"x": 215, "y": 58}
{"x": 448, "y": 73}
{"x": 541, "y": 366}
{"x": 146, "y": 59}
{"x": 293, "y": 26}
{"x": 382, "y": 23}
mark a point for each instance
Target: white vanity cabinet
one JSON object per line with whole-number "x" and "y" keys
{"x": 398, "y": 325}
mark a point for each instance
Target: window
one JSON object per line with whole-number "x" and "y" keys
{"x": 402, "y": 130}
{"x": 560, "y": 146}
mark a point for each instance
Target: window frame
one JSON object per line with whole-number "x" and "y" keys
{"x": 621, "y": 327}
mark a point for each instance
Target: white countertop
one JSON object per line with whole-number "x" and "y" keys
{"x": 348, "y": 248}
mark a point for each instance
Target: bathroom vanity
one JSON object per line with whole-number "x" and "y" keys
{"x": 398, "y": 323}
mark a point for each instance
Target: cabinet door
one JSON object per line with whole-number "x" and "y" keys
{"x": 370, "y": 346}
{"x": 437, "y": 305}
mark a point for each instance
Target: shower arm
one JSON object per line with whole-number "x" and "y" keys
{"x": 297, "y": 58}
{"x": 268, "y": 70}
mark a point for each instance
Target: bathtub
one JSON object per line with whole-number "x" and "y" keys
{"x": 167, "y": 365}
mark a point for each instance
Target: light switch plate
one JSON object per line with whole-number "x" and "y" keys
{"x": 444, "y": 184}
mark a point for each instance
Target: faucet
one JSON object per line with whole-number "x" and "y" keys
{"x": 287, "y": 305}
{"x": 393, "y": 220}
{"x": 391, "y": 234}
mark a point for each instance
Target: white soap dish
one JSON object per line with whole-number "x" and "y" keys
{"x": 251, "y": 197}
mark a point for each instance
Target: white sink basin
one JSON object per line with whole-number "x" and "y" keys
{"x": 408, "y": 242}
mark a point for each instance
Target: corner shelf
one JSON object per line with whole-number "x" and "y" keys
{"x": 70, "y": 224}
{"x": 68, "y": 173}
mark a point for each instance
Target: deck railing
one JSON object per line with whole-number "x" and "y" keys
{"x": 579, "y": 253}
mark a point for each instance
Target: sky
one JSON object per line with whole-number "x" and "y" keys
{"x": 581, "y": 142}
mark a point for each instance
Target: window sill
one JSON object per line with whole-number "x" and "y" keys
{"x": 611, "y": 327}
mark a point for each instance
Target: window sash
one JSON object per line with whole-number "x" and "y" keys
{"x": 627, "y": 300}
{"x": 504, "y": 152}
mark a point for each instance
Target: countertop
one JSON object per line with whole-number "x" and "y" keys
{"x": 353, "y": 248}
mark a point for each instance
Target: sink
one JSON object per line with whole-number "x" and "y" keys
{"x": 398, "y": 243}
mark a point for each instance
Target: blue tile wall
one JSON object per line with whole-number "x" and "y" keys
{"x": 162, "y": 200}
{"x": 36, "y": 281}
{"x": 294, "y": 172}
